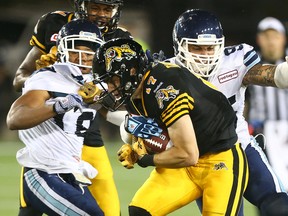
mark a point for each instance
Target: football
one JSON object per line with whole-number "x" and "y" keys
{"x": 157, "y": 144}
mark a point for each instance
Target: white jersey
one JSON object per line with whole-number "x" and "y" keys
{"x": 55, "y": 145}
{"x": 234, "y": 64}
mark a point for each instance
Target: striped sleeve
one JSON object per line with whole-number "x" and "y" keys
{"x": 179, "y": 107}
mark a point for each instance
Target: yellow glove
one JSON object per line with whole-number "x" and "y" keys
{"x": 88, "y": 92}
{"x": 143, "y": 158}
{"x": 127, "y": 156}
{"x": 139, "y": 148}
{"x": 47, "y": 59}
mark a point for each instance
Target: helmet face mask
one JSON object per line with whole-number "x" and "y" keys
{"x": 120, "y": 63}
{"x": 198, "y": 28}
{"x": 71, "y": 39}
{"x": 87, "y": 9}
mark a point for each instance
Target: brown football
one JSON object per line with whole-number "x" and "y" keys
{"x": 157, "y": 144}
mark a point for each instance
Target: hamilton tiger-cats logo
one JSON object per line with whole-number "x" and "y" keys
{"x": 165, "y": 94}
{"x": 117, "y": 53}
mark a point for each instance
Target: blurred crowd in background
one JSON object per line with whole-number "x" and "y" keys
{"x": 150, "y": 22}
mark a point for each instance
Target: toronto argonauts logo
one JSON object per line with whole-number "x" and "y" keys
{"x": 117, "y": 53}
{"x": 165, "y": 95}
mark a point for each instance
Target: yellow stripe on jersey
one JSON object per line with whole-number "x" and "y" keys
{"x": 35, "y": 42}
{"x": 142, "y": 93}
{"x": 70, "y": 17}
{"x": 180, "y": 106}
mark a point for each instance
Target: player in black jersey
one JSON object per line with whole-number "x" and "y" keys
{"x": 205, "y": 159}
{"x": 105, "y": 14}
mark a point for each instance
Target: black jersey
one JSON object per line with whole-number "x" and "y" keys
{"x": 48, "y": 26}
{"x": 169, "y": 92}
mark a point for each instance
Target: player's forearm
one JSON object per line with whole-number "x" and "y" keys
{"x": 26, "y": 68}
{"x": 262, "y": 75}
{"x": 176, "y": 158}
{"x": 19, "y": 80}
{"x": 23, "y": 117}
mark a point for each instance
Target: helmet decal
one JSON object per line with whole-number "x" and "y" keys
{"x": 122, "y": 58}
{"x": 117, "y": 53}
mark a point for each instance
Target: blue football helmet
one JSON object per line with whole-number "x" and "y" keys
{"x": 119, "y": 57}
{"x": 82, "y": 11}
{"x": 198, "y": 27}
{"x": 78, "y": 32}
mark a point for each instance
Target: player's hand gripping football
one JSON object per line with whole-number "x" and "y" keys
{"x": 88, "y": 91}
{"x": 139, "y": 148}
{"x": 127, "y": 156}
{"x": 47, "y": 59}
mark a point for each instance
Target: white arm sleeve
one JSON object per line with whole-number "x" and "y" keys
{"x": 281, "y": 75}
{"x": 116, "y": 117}
{"x": 125, "y": 136}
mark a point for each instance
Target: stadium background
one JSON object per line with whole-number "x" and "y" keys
{"x": 151, "y": 23}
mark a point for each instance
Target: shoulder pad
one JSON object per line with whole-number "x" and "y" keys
{"x": 62, "y": 13}
{"x": 122, "y": 28}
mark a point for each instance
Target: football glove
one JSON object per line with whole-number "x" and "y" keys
{"x": 127, "y": 156}
{"x": 88, "y": 91}
{"x": 47, "y": 59}
{"x": 141, "y": 126}
{"x": 143, "y": 158}
{"x": 155, "y": 57}
{"x": 139, "y": 148}
{"x": 67, "y": 103}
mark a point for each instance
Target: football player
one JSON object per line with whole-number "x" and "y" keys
{"x": 205, "y": 159}
{"x": 198, "y": 43}
{"x": 105, "y": 14}
{"x": 53, "y": 123}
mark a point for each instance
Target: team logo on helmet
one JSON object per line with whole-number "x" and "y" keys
{"x": 165, "y": 94}
{"x": 117, "y": 54}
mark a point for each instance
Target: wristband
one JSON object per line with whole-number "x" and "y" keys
{"x": 146, "y": 160}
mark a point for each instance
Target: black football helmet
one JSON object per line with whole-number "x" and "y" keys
{"x": 116, "y": 58}
{"x": 198, "y": 27}
{"x": 78, "y": 32}
{"x": 83, "y": 12}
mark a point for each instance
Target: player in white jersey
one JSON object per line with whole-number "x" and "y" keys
{"x": 199, "y": 46}
{"x": 53, "y": 122}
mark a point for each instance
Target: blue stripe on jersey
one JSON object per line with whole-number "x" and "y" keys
{"x": 57, "y": 94}
{"x": 51, "y": 69}
{"x": 251, "y": 58}
{"x": 47, "y": 195}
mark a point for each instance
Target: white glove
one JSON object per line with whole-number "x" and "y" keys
{"x": 67, "y": 103}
